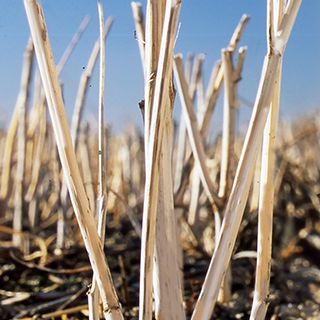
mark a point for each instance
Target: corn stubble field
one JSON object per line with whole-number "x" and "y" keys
{"x": 168, "y": 223}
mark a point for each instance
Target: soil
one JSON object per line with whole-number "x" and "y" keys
{"x": 51, "y": 284}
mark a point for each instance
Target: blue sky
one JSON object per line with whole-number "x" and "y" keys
{"x": 206, "y": 27}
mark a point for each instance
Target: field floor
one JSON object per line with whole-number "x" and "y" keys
{"x": 52, "y": 285}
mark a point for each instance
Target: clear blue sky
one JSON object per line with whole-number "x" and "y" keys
{"x": 206, "y": 26}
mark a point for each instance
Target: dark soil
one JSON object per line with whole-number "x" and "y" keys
{"x": 30, "y": 289}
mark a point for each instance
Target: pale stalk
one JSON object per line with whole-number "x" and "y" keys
{"x": 74, "y": 41}
{"x": 7, "y": 154}
{"x": 215, "y": 85}
{"x": 84, "y": 84}
{"x": 112, "y": 309}
{"x": 153, "y": 33}
{"x": 239, "y": 193}
{"x": 159, "y": 106}
{"x": 232, "y": 76}
{"x": 228, "y": 127}
{"x": 212, "y": 94}
{"x": 140, "y": 29}
{"x": 193, "y": 132}
{"x": 93, "y": 296}
{"x": 166, "y": 280}
{"x": 75, "y": 124}
{"x": 182, "y": 134}
{"x": 5, "y": 175}
{"x": 22, "y": 103}
{"x": 86, "y": 167}
{"x": 166, "y": 285}
{"x": 265, "y": 211}
{"x": 195, "y": 180}
{"x": 266, "y": 199}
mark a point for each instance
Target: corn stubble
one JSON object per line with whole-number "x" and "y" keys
{"x": 179, "y": 181}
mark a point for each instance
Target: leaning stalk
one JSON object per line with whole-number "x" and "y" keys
{"x": 68, "y": 159}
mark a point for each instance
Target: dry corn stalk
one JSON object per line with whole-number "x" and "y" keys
{"x": 182, "y": 134}
{"x": 93, "y": 296}
{"x": 140, "y": 29}
{"x": 210, "y": 100}
{"x": 266, "y": 196}
{"x": 22, "y": 103}
{"x": 166, "y": 285}
{"x": 239, "y": 193}
{"x": 155, "y": 120}
{"x": 193, "y": 132}
{"x": 75, "y": 124}
{"x": 67, "y": 156}
{"x": 232, "y": 75}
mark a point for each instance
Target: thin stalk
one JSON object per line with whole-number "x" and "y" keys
{"x": 5, "y": 176}
{"x": 265, "y": 210}
{"x": 72, "y": 44}
{"x": 86, "y": 167}
{"x": 241, "y": 185}
{"x": 215, "y": 85}
{"x": 228, "y": 130}
{"x": 7, "y": 154}
{"x": 22, "y": 103}
{"x": 153, "y": 33}
{"x": 140, "y": 29}
{"x": 38, "y": 144}
{"x": 193, "y": 132}
{"x": 232, "y": 76}
{"x": 157, "y": 125}
{"x": 182, "y": 134}
{"x": 196, "y": 87}
{"x": 211, "y": 97}
{"x": 112, "y": 309}
{"x": 93, "y": 296}
{"x": 75, "y": 123}
{"x": 266, "y": 200}
{"x": 166, "y": 285}
{"x": 84, "y": 84}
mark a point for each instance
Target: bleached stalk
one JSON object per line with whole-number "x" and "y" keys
{"x": 39, "y": 94}
{"x": 228, "y": 123}
{"x": 140, "y": 29}
{"x": 7, "y": 154}
{"x": 167, "y": 275}
{"x": 22, "y": 103}
{"x": 38, "y": 144}
{"x": 266, "y": 199}
{"x": 166, "y": 284}
{"x": 84, "y": 85}
{"x": 153, "y": 33}
{"x": 68, "y": 159}
{"x": 5, "y": 175}
{"x": 86, "y": 167}
{"x": 193, "y": 132}
{"x": 215, "y": 85}
{"x": 254, "y": 192}
{"x": 232, "y": 76}
{"x": 101, "y": 140}
{"x": 38, "y": 117}
{"x": 213, "y": 89}
{"x": 157, "y": 127}
{"x": 93, "y": 296}
{"x": 74, "y": 41}
{"x": 195, "y": 175}
{"x": 182, "y": 134}
{"x": 239, "y": 193}
{"x": 75, "y": 123}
